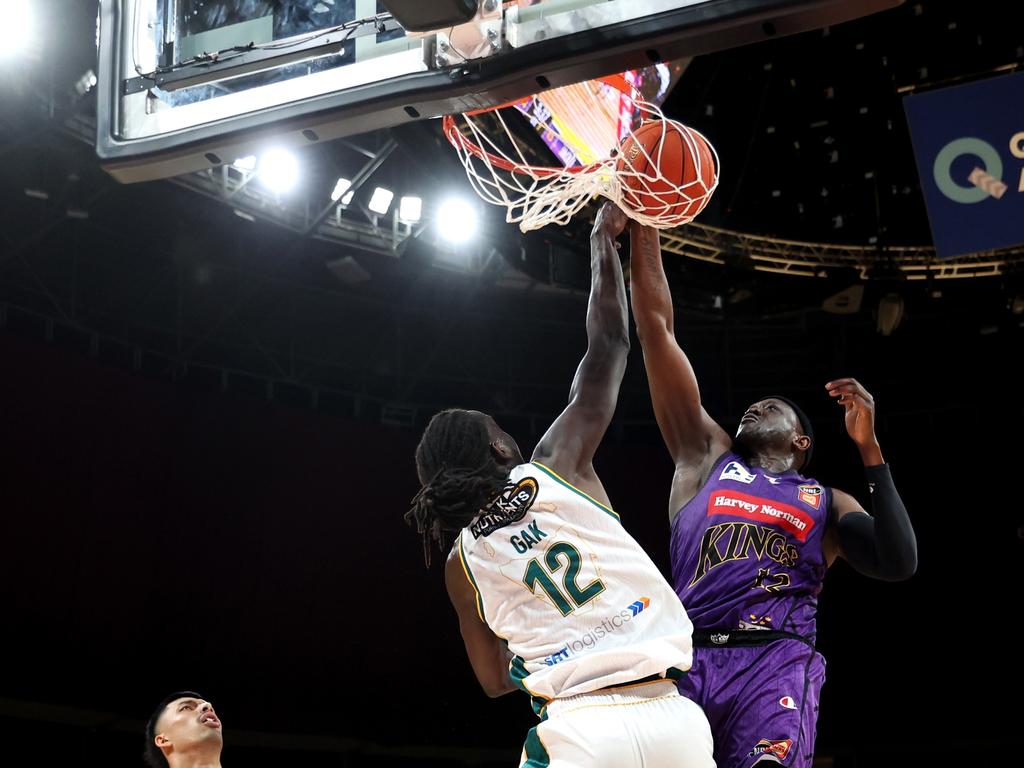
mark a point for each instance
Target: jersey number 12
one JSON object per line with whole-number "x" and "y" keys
{"x": 535, "y": 574}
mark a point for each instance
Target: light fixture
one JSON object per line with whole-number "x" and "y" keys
{"x": 381, "y": 200}
{"x": 16, "y": 33}
{"x": 85, "y": 83}
{"x": 410, "y": 209}
{"x": 247, "y": 163}
{"x": 279, "y": 170}
{"x": 340, "y": 190}
{"x": 456, "y": 220}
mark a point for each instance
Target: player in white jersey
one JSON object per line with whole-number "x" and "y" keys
{"x": 553, "y": 595}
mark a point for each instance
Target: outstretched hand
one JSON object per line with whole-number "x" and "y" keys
{"x": 860, "y": 413}
{"x": 611, "y": 221}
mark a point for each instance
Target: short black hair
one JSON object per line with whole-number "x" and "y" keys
{"x": 805, "y": 425}
{"x": 153, "y": 754}
{"x": 458, "y": 476}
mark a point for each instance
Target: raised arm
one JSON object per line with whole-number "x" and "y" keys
{"x": 882, "y": 546}
{"x": 570, "y": 443}
{"x": 692, "y": 437}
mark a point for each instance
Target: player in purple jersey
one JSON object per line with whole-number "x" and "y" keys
{"x": 752, "y": 538}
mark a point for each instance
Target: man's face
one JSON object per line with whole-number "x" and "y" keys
{"x": 768, "y": 418}
{"x": 189, "y": 724}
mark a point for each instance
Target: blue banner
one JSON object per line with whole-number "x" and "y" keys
{"x": 969, "y": 146}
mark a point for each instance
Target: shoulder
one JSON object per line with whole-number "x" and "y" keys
{"x": 456, "y": 578}
{"x": 843, "y": 503}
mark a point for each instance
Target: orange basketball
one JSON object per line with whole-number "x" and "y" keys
{"x": 667, "y": 170}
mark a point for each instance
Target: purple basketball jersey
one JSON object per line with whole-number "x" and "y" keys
{"x": 746, "y": 550}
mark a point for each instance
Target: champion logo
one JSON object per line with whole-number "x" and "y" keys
{"x": 640, "y": 605}
{"x": 788, "y": 702}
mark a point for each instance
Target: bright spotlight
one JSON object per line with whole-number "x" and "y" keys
{"x": 340, "y": 189}
{"x": 279, "y": 170}
{"x": 16, "y": 33}
{"x": 247, "y": 163}
{"x": 410, "y": 209}
{"x": 456, "y": 220}
{"x": 381, "y": 200}
{"x": 85, "y": 83}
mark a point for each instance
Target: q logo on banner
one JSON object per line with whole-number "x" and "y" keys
{"x": 971, "y": 162}
{"x": 942, "y": 170}
{"x": 987, "y": 181}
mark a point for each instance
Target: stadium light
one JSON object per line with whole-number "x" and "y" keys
{"x": 381, "y": 200}
{"x": 16, "y": 33}
{"x": 410, "y": 209}
{"x": 457, "y": 220}
{"x": 279, "y": 170}
{"x": 247, "y": 163}
{"x": 340, "y": 190}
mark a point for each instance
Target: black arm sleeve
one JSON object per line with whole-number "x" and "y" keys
{"x": 883, "y": 546}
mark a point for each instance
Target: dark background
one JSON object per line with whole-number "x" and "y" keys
{"x": 206, "y": 441}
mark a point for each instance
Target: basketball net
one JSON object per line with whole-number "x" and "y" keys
{"x": 537, "y": 195}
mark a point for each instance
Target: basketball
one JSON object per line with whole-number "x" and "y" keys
{"x": 667, "y": 170}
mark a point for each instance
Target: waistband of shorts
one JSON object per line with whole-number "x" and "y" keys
{"x": 743, "y": 638}
{"x": 646, "y": 689}
{"x": 670, "y": 675}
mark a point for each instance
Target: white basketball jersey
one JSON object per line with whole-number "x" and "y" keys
{"x": 579, "y": 603}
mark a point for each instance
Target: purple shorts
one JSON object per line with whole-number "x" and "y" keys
{"x": 761, "y": 701}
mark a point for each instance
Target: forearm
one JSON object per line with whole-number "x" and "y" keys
{"x": 607, "y": 313}
{"x": 651, "y": 297}
{"x": 883, "y": 545}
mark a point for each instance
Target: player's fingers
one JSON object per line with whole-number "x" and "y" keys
{"x": 860, "y": 401}
{"x": 849, "y": 388}
{"x": 847, "y": 404}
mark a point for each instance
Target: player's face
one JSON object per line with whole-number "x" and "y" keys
{"x": 189, "y": 723}
{"x": 767, "y": 417}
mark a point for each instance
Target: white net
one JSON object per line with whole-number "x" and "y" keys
{"x": 648, "y": 185}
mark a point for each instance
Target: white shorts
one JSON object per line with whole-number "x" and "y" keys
{"x": 648, "y": 725}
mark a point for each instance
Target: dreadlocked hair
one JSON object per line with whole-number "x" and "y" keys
{"x": 458, "y": 474}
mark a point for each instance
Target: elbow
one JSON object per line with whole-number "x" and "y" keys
{"x": 906, "y": 563}
{"x": 900, "y": 569}
{"x": 907, "y": 568}
{"x": 495, "y": 689}
{"x": 612, "y": 340}
{"x": 651, "y": 327}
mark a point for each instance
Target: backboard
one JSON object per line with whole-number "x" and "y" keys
{"x": 189, "y": 84}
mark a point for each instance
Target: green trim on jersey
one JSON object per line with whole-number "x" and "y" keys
{"x": 536, "y": 753}
{"x": 517, "y": 673}
{"x": 472, "y": 581}
{"x": 558, "y": 478}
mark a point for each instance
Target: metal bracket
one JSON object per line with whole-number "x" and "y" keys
{"x": 479, "y": 38}
{"x": 224, "y": 65}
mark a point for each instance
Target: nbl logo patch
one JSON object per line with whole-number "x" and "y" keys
{"x": 811, "y": 495}
{"x": 778, "y": 749}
